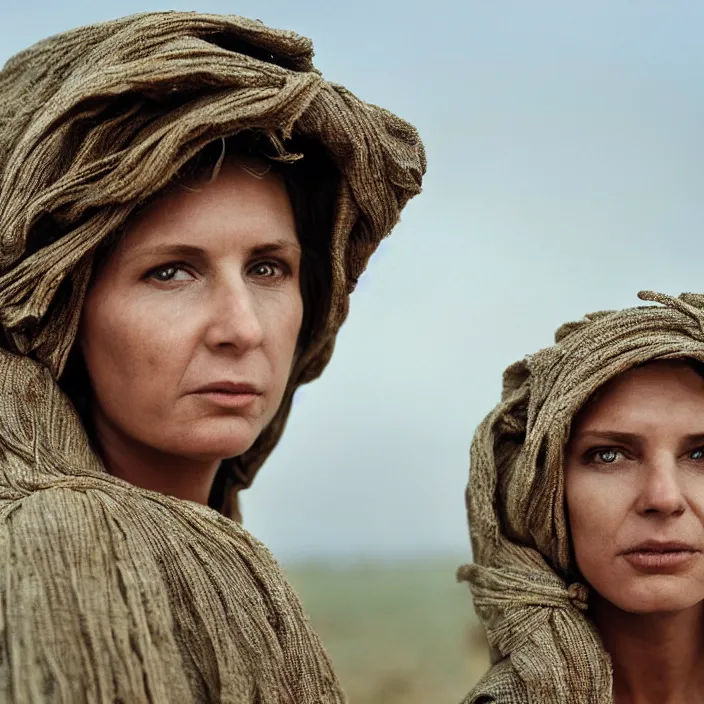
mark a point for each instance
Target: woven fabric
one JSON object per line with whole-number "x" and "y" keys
{"x": 109, "y": 592}
{"x": 95, "y": 121}
{"x": 545, "y": 648}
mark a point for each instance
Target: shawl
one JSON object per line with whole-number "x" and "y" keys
{"x": 524, "y": 581}
{"x": 109, "y": 592}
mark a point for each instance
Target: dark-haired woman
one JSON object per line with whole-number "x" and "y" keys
{"x": 185, "y": 206}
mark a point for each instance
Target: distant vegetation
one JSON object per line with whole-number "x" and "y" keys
{"x": 403, "y": 633}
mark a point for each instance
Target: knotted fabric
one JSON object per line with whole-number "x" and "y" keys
{"x": 524, "y": 579}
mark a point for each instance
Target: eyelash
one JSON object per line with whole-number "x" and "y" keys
{"x": 591, "y": 455}
{"x": 178, "y": 266}
{"x": 284, "y": 269}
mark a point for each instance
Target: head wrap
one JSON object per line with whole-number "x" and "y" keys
{"x": 524, "y": 581}
{"x": 96, "y": 120}
{"x": 109, "y": 592}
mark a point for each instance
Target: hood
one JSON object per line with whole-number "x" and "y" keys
{"x": 97, "y": 120}
{"x": 526, "y": 588}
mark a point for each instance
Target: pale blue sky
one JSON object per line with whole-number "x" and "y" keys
{"x": 565, "y": 154}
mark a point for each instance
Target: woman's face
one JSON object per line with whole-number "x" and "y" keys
{"x": 635, "y": 489}
{"x": 190, "y": 329}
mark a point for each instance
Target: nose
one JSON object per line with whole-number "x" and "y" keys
{"x": 234, "y": 319}
{"x": 661, "y": 490}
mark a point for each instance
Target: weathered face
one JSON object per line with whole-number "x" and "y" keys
{"x": 190, "y": 329}
{"x": 635, "y": 489}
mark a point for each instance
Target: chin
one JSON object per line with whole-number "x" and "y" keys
{"x": 219, "y": 440}
{"x": 220, "y": 451}
{"x": 666, "y": 594}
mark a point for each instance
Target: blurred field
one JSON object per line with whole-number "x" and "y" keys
{"x": 400, "y": 633}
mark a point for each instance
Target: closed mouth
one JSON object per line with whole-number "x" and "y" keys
{"x": 230, "y": 388}
{"x": 654, "y": 557}
{"x": 661, "y": 548}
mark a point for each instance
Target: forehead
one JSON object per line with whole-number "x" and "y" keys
{"x": 237, "y": 203}
{"x": 661, "y": 391}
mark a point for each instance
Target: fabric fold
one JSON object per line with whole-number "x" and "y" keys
{"x": 95, "y": 121}
{"x": 526, "y": 587}
{"x": 110, "y": 592}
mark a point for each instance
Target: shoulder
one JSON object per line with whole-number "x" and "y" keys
{"x": 500, "y": 685}
{"x": 68, "y": 550}
{"x": 73, "y": 523}
{"x": 150, "y": 585}
{"x": 80, "y": 622}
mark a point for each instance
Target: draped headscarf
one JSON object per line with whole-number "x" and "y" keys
{"x": 109, "y": 592}
{"x": 524, "y": 580}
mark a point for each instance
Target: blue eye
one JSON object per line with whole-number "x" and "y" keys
{"x": 697, "y": 454}
{"x": 604, "y": 455}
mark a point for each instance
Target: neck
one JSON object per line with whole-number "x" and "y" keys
{"x": 149, "y": 468}
{"x": 658, "y": 657}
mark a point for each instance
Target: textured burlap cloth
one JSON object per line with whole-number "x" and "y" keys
{"x": 110, "y": 593}
{"x": 523, "y": 579}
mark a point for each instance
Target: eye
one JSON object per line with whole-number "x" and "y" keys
{"x": 697, "y": 454}
{"x": 266, "y": 270}
{"x": 169, "y": 272}
{"x": 607, "y": 455}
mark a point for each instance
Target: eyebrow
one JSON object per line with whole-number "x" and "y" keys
{"x": 188, "y": 250}
{"x": 277, "y": 246}
{"x": 616, "y": 436}
{"x": 171, "y": 250}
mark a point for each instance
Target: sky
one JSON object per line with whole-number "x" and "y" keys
{"x": 565, "y": 174}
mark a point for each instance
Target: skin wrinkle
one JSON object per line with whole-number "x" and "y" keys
{"x": 148, "y": 344}
{"x": 174, "y": 601}
{"x": 541, "y": 618}
{"x": 647, "y": 424}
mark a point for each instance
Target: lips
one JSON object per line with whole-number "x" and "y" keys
{"x": 657, "y": 546}
{"x": 653, "y": 556}
{"x": 229, "y": 387}
{"x": 231, "y": 396}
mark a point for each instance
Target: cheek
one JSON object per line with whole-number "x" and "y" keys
{"x": 694, "y": 494}
{"x": 128, "y": 347}
{"x": 284, "y": 318}
{"x": 595, "y": 515}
